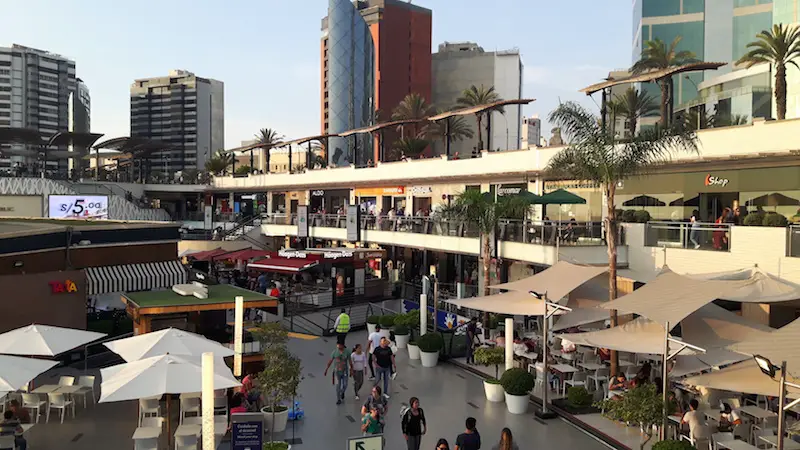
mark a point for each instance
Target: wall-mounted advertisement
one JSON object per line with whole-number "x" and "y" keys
{"x": 78, "y": 207}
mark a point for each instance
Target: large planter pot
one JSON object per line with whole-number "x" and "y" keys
{"x": 517, "y": 404}
{"x": 429, "y": 359}
{"x": 370, "y": 328}
{"x": 402, "y": 341}
{"x": 413, "y": 351}
{"x": 288, "y": 446}
{"x": 494, "y": 392}
{"x": 280, "y": 417}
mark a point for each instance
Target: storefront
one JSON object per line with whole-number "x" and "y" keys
{"x": 379, "y": 200}
{"x": 330, "y": 201}
{"x": 49, "y": 298}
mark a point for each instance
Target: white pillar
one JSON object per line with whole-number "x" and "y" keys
{"x": 423, "y": 314}
{"x": 238, "y": 318}
{"x": 208, "y": 401}
{"x": 460, "y": 290}
{"x": 509, "y": 343}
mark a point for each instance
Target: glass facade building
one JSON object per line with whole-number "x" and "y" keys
{"x": 351, "y": 83}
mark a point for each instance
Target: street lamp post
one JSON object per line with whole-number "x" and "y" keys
{"x": 769, "y": 369}
{"x": 544, "y": 413}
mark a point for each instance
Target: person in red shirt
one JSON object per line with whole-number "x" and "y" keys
{"x": 274, "y": 292}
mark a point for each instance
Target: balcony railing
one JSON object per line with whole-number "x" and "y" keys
{"x": 793, "y": 241}
{"x": 549, "y": 233}
{"x": 697, "y": 236}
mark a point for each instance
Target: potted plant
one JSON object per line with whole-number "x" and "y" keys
{"x": 413, "y": 349}
{"x": 517, "y": 384}
{"x": 429, "y": 346}
{"x": 275, "y": 445}
{"x": 641, "y": 405}
{"x": 386, "y": 322}
{"x": 402, "y": 335}
{"x": 671, "y": 444}
{"x": 412, "y": 321}
{"x": 280, "y": 377}
{"x": 371, "y": 322}
{"x": 491, "y": 356}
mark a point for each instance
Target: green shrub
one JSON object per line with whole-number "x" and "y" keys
{"x": 401, "y": 330}
{"x": 673, "y": 445}
{"x": 373, "y": 320}
{"x": 775, "y": 220}
{"x": 641, "y": 216}
{"x": 579, "y": 397}
{"x": 517, "y": 381}
{"x": 492, "y": 381}
{"x": 490, "y": 356}
{"x": 275, "y": 446}
{"x": 430, "y": 342}
{"x": 412, "y": 319}
{"x": 494, "y": 321}
{"x": 754, "y": 219}
{"x": 386, "y": 321}
{"x": 629, "y": 216}
{"x": 400, "y": 319}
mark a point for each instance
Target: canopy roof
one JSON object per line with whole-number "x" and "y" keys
{"x": 207, "y": 255}
{"x": 244, "y": 254}
{"x": 514, "y": 302}
{"x": 779, "y": 345}
{"x": 557, "y": 281}
{"x": 652, "y": 75}
{"x": 744, "y": 377}
{"x": 44, "y": 340}
{"x": 671, "y": 297}
{"x": 16, "y": 372}
{"x": 380, "y": 126}
{"x": 20, "y": 136}
{"x": 580, "y": 316}
{"x": 479, "y": 108}
{"x": 561, "y": 197}
{"x": 765, "y": 287}
{"x": 637, "y": 336}
{"x": 169, "y": 341}
{"x": 73, "y": 138}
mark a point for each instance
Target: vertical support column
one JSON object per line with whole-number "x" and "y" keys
{"x": 208, "y": 401}
{"x": 423, "y": 314}
{"x": 781, "y": 404}
{"x": 664, "y": 380}
{"x": 509, "y": 343}
{"x": 238, "y": 320}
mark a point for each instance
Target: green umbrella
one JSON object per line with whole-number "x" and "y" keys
{"x": 562, "y": 197}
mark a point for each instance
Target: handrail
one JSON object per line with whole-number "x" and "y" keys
{"x": 688, "y": 235}
{"x": 241, "y": 224}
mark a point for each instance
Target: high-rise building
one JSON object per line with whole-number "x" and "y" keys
{"x": 531, "y": 132}
{"x": 459, "y": 65}
{"x": 182, "y": 110}
{"x": 374, "y": 53}
{"x": 80, "y": 107}
{"x": 35, "y": 87}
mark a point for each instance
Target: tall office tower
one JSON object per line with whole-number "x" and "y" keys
{"x": 459, "y": 65}
{"x": 35, "y": 87}
{"x": 182, "y": 110}
{"x": 715, "y": 30}
{"x": 374, "y": 53}
{"x": 531, "y": 135}
{"x": 80, "y": 107}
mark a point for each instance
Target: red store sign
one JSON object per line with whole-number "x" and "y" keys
{"x": 62, "y": 287}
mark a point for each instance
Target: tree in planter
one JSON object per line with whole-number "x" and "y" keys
{"x": 642, "y": 405}
{"x": 430, "y": 342}
{"x": 386, "y": 321}
{"x": 491, "y": 356}
{"x": 579, "y": 397}
{"x": 374, "y": 320}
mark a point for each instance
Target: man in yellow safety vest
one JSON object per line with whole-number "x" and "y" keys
{"x": 341, "y": 327}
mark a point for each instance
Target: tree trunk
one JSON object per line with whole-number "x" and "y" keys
{"x": 486, "y": 255}
{"x": 480, "y": 140}
{"x": 664, "y": 99}
{"x": 780, "y": 91}
{"x": 266, "y": 158}
{"x": 632, "y": 125}
{"x": 611, "y": 242}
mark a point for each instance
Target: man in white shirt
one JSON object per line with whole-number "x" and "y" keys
{"x": 696, "y": 421}
{"x": 374, "y": 341}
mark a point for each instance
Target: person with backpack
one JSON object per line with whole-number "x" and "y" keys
{"x": 413, "y": 423}
{"x": 376, "y": 400}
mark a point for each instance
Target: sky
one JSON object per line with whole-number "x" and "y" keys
{"x": 267, "y": 52}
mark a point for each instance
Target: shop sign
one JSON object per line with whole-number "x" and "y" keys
{"x": 421, "y": 190}
{"x": 337, "y": 255}
{"x": 318, "y": 193}
{"x": 716, "y": 181}
{"x": 571, "y": 184}
{"x": 370, "y": 192}
{"x": 370, "y": 255}
{"x": 63, "y": 287}
{"x": 292, "y": 254}
{"x": 511, "y": 189}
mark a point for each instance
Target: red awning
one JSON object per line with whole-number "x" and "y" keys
{"x": 245, "y": 254}
{"x": 283, "y": 265}
{"x": 206, "y": 255}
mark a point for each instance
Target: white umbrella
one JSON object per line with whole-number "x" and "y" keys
{"x": 16, "y": 372}
{"x": 159, "y": 375}
{"x": 170, "y": 341}
{"x": 44, "y": 340}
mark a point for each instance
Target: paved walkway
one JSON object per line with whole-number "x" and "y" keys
{"x": 448, "y": 395}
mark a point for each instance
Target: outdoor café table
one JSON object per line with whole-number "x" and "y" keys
{"x": 563, "y": 370}
{"x": 45, "y": 389}
{"x": 68, "y": 391}
{"x": 757, "y": 413}
{"x": 146, "y": 433}
{"x": 736, "y": 445}
{"x": 25, "y": 428}
{"x": 188, "y": 430}
{"x": 591, "y": 366}
{"x": 623, "y": 363}
{"x": 674, "y": 423}
{"x": 788, "y": 444}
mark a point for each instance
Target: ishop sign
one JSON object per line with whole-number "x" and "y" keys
{"x": 373, "y": 442}
{"x": 716, "y": 181}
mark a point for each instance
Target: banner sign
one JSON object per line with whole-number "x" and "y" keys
{"x": 78, "y": 207}
{"x": 353, "y": 223}
{"x": 247, "y": 431}
{"x": 302, "y": 221}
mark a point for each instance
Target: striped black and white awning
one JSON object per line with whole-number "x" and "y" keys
{"x": 134, "y": 277}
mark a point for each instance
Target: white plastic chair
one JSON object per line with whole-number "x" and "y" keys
{"x": 631, "y": 371}
{"x": 221, "y": 406}
{"x": 756, "y": 433}
{"x": 189, "y": 405}
{"x": 58, "y": 401}
{"x": 66, "y": 381}
{"x": 578, "y": 379}
{"x": 86, "y": 384}
{"x": 33, "y": 402}
{"x": 699, "y": 443}
{"x": 7, "y": 442}
{"x": 148, "y": 406}
{"x": 716, "y": 438}
{"x": 145, "y": 444}
{"x": 185, "y": 442}
{"x": 600, "y": 376}
{"x": 153, "y": 422}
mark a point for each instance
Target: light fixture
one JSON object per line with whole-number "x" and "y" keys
{"x": 18, "y": 264}
{"x": 765, "y": 365}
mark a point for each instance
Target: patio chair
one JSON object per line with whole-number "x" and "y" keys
{"x": 153, "y": 422}
{"x": 58, "y": 401}
{"x": 699, "y": 443}
{"x": 221, "y": 406}
{"x": 147, "y": 407}
{"x": 757, "y": 433}
{"x": 578, "y": 379}
{"x": 185, "y": 442}
{"x": 7, "y": 442}
{"x": 189, "y": 405}
{"x": 716, "y": 438}
{"x": 33, "y": 402}
{"x": 145, "y": 444}
{"x": 631, "y": 372}
{"x": 66, "y": 381}
{"x": 600, "y": 376}
{"x": 87, "y": 386}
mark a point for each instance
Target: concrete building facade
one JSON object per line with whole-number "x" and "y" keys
{"x": 531, "y": 135}
{"x": 457, "y": 66}
{"x": 182, "y": 110}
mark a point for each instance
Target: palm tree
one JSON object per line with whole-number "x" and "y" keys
{"x": 268, "y": 138}
{"x": 593, "y": 154}
{"x": 656, "y": 56}
{"x": 218, "y": 164}
{"x": 482, "y": 210}
{"x": 411, "y": 147}
{"x": 451, "y": 129}
{"x": 477, "y": 96}
{"x": 413, "y": 107}
{"x": 632, "y": 105}
{"x": 778, "y": 47}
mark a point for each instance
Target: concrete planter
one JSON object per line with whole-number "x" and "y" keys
{"x": 402, "y": 341}
{"x": 280, "y": 417}
{"x": 370, "y": 328}
{"x": 429, "y": 359}
{"x": 494, "y": 392}
{"x": 517, "y": 404}
{"x": 413, "y": 351}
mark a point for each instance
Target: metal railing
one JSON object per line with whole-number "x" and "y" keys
{"x": 697, "y": 236}
{"x": 550, "y": 233}
{"x": 793, "y": 241}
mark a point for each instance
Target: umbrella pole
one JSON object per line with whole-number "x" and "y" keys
{"x": 169, "y": 420}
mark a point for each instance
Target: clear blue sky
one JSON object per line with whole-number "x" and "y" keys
{"x": 267, "y": 51}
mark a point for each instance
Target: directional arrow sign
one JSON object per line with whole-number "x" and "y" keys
{"x": 373, "y": 442}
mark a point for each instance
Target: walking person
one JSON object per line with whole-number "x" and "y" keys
{"x": 359, "y": 363}
{"x": 373, "y": 342}
{"x": 384, "y": 363}
{"x": 694, "y": 233}
{"x": 442, "y": 444}
{"x": 470, "y": 439}
{"x": 506, "y": 441}
{"x": 342, "y": 326}
{"x": 378, "y": 401}
{"x": 371, "y": 424}
{"x": 472, "y": 331}
{"x": 341, "y": 356}
{"x": 413, "y": 424}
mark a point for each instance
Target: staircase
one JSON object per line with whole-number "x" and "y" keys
{"x": 242, "y": 230}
